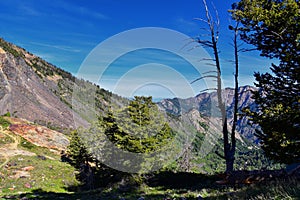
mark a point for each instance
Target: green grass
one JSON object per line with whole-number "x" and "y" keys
{"x": 250, "y": 192}
{"x": 53, "y": 179}
{"x": 4, "y": 123}
{"x": 176, "y": 186}
{"x": 47, "y": 175}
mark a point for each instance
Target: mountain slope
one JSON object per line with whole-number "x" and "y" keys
{"x": 30, "y": 159}
{"x": 205, "y": 104}
{"x": 35, "y": 90}
{"x": 40, "y": 92}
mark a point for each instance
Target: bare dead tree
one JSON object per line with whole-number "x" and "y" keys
{"x": 231, "y": 151}
{"x": 212, "y": 43}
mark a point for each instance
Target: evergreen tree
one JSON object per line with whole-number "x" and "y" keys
{"x": 138, "y": 128}
{"x": 80, "y": 158}
{"x": 272, "y": 26}
{"x": 139, "y": 110}
{"x": 77, "y": 151}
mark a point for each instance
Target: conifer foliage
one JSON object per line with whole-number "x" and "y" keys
{"x": 138, "y": 128}
{"x": 272, "y": 26}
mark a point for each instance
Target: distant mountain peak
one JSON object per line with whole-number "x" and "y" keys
{"x": 207, "y": 106}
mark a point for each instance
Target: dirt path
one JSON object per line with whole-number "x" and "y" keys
{"x": 11, "y": 149}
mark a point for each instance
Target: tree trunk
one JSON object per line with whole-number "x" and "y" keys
{"x": 229, "y": 148}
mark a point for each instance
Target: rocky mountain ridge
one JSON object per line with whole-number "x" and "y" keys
{"x": 204, "y": 105}
{"x": 40, "y": 92}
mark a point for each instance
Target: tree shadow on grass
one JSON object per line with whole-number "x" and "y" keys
{"x": 182, "y": 180}
{"x": 167, "y": 184}
{"x": 40, "y": 194}
{"x": 179, "y": 183}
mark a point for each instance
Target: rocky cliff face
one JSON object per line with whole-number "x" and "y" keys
{"x": 205, "y": 106}
{"x": 35, "y": 90}
{"x": 24, "y": 93}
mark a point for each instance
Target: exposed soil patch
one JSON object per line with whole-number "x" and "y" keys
{"x": 41, "y": 136}
{"x": 11, "y": 149}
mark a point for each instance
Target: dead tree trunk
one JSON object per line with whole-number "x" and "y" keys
{"x": 230, "y": 159}
{"x": 228, "y": 147}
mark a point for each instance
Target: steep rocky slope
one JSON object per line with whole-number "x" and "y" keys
{"x": 204, "y": 106}
{"x": 40, "y": 92}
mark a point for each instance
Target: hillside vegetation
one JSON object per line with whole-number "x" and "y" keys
{"x": 32, "y": 165}
{"x": 62, "y": 137}
{"x": 40, "y": 174}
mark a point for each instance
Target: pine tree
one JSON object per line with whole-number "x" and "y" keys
{"x": 77, "y": 151}
{"x": 137, "y": 128}
{"x": 272, "y": 26}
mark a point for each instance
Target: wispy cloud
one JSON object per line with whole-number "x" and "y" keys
{"x": 97, "y": 15}
{"x": 29, "y": 10}
{"x": 60, "y": 47}
{"x": 82, "y": 11}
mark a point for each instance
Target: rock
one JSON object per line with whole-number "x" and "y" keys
{"x": 26, "y": 87}
{"x": 29, "y": 168}
{"x": 20, "y": 174}
{"x": 41, "y": 136}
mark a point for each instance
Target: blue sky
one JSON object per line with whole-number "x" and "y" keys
{"x": 65, "y": 32}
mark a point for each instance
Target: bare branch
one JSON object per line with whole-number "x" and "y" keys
{"x": 204, "y": 59}
{"x": 200, "y": 19}
{"x": 210, "y": 64}
{"x": 278, "y": 34}
{"x": 247, "y": 50}
{"x": 209, "y": 72}
{"x": 240, "y": 45}
{"x": 204, "y": 35}
{"x": 208, "y": 89}
{"x": 214, "y": 25}
{"x": 203, "y": 77}
{"x": 217, "y": 22}
{"x": 205, "y": 43}
{"x": 188, "y": 43}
